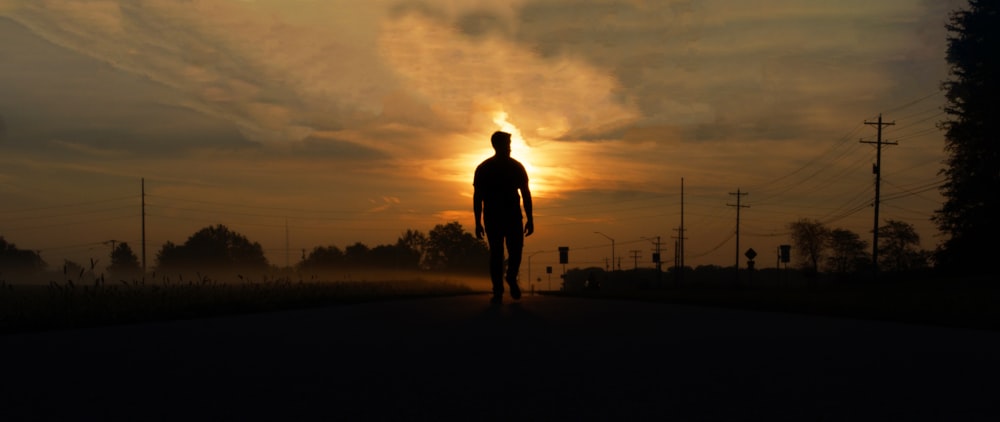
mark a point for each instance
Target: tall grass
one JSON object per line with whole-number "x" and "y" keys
{"x": 82, "y": 300}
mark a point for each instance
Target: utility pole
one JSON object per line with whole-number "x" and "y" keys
{"x": 114, "y": 244}
{"x": 657, "y": 258}
{"x": 612, "y": 251}
{"x": 679, "y": 244}
{"x": 677, "y": 256}
{"x": 635, "y": 257}
{"x": 739, "y": 195}
{"x": 142, "y": 189}
{"x": 681, "y": 232}
{"x": 679, "y": 252}
{"x": 877, "y": 169}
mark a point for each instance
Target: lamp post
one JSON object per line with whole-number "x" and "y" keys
{"x": 529, "y": 268}
{"x": 612, "y": 249}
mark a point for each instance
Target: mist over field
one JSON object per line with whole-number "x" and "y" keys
{"x": 86, "y": 277}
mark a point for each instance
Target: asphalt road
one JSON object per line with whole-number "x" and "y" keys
{"x": 546, "y": 358}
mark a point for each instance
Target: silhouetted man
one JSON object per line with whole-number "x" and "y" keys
{"x": 498, "y": 206}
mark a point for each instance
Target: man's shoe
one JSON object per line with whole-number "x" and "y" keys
{"x": 515, "y": 291}
{"x": 496, "y": 300}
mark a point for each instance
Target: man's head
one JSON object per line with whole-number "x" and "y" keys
{"x": 501, "y": 143}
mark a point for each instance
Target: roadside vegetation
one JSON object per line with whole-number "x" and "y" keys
{"x": 217, "y": 271}
{"x": 81, "y": 302}
{"x": 919, "y": 297}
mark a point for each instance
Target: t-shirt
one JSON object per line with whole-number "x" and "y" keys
{"x": 497, "y": 182}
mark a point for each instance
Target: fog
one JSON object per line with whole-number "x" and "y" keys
{"x": 88, "y": 277}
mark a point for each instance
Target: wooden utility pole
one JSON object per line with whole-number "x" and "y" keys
{"x": 877, "y": 169}
{"x": 681, "y": 235}
{"x": 142, "y": 189}
{"x": 635, "y": 257}
{"x": 739, "y": 195}
{"x": 679, "y": 244}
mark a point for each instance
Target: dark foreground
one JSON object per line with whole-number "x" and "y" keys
{"x": 546, "y": 358}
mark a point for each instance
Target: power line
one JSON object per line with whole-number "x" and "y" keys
{"x": 62, "y": 206}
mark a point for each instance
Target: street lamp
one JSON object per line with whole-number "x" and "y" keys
{"x": 529, "y": 268}
{"x": 612, "y": 249}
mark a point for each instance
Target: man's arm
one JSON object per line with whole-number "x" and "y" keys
{"x": 529, "y": 227}
{"x": 477, "y": 208}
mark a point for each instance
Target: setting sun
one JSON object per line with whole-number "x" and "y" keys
{"x": 538, "y": 174}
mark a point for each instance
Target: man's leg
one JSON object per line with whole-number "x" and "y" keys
{"x": 495, "y": 239}
{"x": 515, "y": 246}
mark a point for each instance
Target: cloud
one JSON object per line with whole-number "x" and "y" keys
{"x": 276, "y": 77}
{"x": 760, "y": 70}
{"x": 51, "y": 93}
{"x": 469, "y": 78}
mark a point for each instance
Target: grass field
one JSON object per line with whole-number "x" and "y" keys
{"x": 79, "y": 303}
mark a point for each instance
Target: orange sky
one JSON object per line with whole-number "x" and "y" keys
{"x": 327, "y": 123}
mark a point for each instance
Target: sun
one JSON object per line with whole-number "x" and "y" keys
{"x": 538, "y": 176}
{"x": 545, "y": 180}
{"x": 519, "y": 149}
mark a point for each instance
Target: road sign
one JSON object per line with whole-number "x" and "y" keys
{"x": 750, "y": 254}
{"x": 786, "y": 253}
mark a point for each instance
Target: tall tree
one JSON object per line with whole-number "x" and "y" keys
{"x": 213, "y": 248}
{"x": 900, "y": 252}
{"x": 809, "y": 237}
{"x": 968, "y": 218}
{"x": 357, "y": 255}
{"x": 414, "y": 243}
{"x": 17, "y": 260}
{"x": 124, "y": 262}
{"x": 450, "y": 247}
{"x": 847, "y": 252}
{"x": 323, "y": 258}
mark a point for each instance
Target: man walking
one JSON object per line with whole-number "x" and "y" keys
{"x": 497, "y": 205}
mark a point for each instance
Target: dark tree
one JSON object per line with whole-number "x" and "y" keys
{"x": 450, "y": 247}
{"x": 968, "y": 218}
{"x": 900, "y": 252}
{"x": 124, "y": 262}
{"x": 213, "y": 248}
{"x": 848, "y": 253}
{"x": 809, "y": 237}
{"x": 323, "y": 258}
{"x": 16, "y": 260}
{"x": 357, "y": 255}
{"x": 395, "y": 257}
{"x": 414, "y": 244}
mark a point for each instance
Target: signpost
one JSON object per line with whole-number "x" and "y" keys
{"x": 750, "y": 254}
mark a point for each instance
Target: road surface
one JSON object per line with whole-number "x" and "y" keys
{"x": 547, "y": 358}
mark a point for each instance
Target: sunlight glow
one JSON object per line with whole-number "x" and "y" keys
{"x": 538, "y": 174}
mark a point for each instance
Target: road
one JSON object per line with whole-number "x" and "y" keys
{"x": 547, "y": 358}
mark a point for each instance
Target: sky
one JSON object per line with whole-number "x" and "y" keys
{"x": 312, "y": 123}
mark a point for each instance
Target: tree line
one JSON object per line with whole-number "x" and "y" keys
{"x": 446, "y": 247}
{"x": 842, "y": 252}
